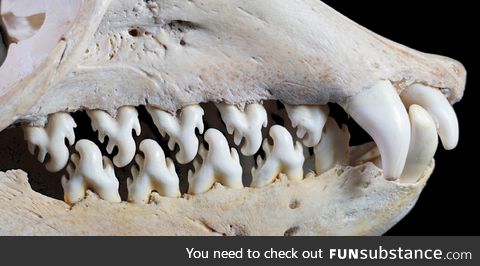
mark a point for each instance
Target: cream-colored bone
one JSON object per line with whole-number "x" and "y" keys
{"x": 119, "y": 132}
{"x": 51, "y": 140}
{"x": 281, "y": 157}
{"x": 246, "y": 124}
{"x": 181, "y": 129}
{"x": 380, "y": 112}
{"x": 220, "y": 163}
{"x": 89, "y": 170}
{"x": 309, "y": 121}
{"x": 333, "y": 148}
{"x": 423, "y": 144}
{"x": 438, "y": 107}
{"x": 154, "y": 173}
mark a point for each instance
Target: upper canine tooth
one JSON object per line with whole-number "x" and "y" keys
{"x": 438, "y": 107}
{"x": 245, "y": 124}
{"x": 119, "y": 132}
{"x": 309, "y": 121}
{"x": 155, "y": 174}
{"x": 281, "y": 157}
{"x": 51, "y": 140}
{"x": 380, "y": 112}
{"x": 333, "y": 148}
{"x": 423, "y": 144}
{"x": 90, "y": 171}
{"x": 219, "y": 164}
{"x": 180, "y": 129}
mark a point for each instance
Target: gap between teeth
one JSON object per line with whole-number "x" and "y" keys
{"x": 404, "y": 129}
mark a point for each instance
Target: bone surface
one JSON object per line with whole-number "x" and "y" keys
{"x": 219, "y": 164}
{"x": 155, "y": 173}
{"x": 51, "y": 140}
{"x": 180, "y": 130}
{"x": 281, "y": 157}
{"x": 333, "y": 149}
{"x": 89, "y": 170}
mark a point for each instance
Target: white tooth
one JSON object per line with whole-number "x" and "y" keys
{"x": 423, "y": 144}
{"x": 90, "y": 171}
{"x": 220, "y": 164}
{"x": 310, "y": 120}
{"x": 51, "y": 140}
{"x": 181, "y": 130}
{"x": 282, "y": 157}
{"x": 438, "y": 107}
{"x": 333, "y": 149}
{"x": 155, "y": 174}
{"x": 246, "y": 124}
{"x": 119, "y": 132}
{"x": 380, "y": 112}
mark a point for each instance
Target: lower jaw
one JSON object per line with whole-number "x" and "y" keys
{"x": 342, "y": 201}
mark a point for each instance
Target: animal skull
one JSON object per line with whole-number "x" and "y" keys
{"x": 278, "y": 164}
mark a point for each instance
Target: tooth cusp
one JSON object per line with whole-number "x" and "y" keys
{"x": 333, "y": 148}
{"x": 181, "y": 130}
{"x": 423, "y": 144}
{"x": 309, "y": 121}
{"x": 219, "y": 164}
{"x": 89, "y": 170}
{"x": 51, "y": 140}
{"x": 119, "y": 132}
{"x": 154, "y": 173}
{"x": 246, "y": 124}
{"x": 281, "y": 157}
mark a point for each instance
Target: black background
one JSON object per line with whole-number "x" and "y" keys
{"x": 449, "y": 202}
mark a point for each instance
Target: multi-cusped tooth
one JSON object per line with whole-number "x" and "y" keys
{"x": 154, "y": 173}
{"x": 89, "y": 170}
{"x": 51, "y": 140}
{"x": 309, "y": 121}
{"x": 181, "y": 129}
{"x": 119, "y": 132}
{"x": 423, "y": 144}
{"x": 282, "y": 157}
{"x": 333, "y": 148}
{"x": 438, "y": 107}
{"x": 246, "y": 124}
{"x": 220, "y": 163}
{"x": 380, "y": 112}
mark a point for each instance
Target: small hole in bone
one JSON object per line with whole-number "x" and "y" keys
{"x": 182, "y": 42}
{"x": 134, "y": 32}
{"x": 291, "y": 231}
{"x": 294, "y": 204}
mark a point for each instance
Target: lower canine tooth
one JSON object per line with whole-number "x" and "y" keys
{"x": 438, "y": 107}
{"x": 90, "y": 171}
{"x": 423, "y": 144}
{"x": 333, "y": 149}
{"x": 247, "y": 124}
{"x": 155, "y": 174}
{"x": 309, "y": 120}
{"x": 51, "y": 140}
{"x": 181, "y": 130}
{"x": 281, "y": 157}
{"x": 219, "y": 164}
{"x": 119, "y": 132}
{"x": 380, "y": 112}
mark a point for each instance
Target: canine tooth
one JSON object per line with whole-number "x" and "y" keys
{"x": 219, "y": 164}
{"x": 438, "y": 107}
{"x": 51, "y": 140}
{"x": 181, "y": 130}
{"x": 333, "y": 148}
{"x": 245, "y": 124}
{"x": 380, "y": 112}
{"x": 156, "y": 173}
{"x": 309, "y": 121}
{"x": 281, "y": 157}
{"x": 119, "y": 132}
{"x": 89, "y": 170}
{"x": 423, "y": 144}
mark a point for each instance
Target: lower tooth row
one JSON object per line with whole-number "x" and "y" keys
{"x": 378, "y": 109}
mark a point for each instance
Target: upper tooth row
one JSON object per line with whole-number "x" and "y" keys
{"x": 379, "y": 110}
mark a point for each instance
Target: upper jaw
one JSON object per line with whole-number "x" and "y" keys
{"x": 315, "y": 58}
